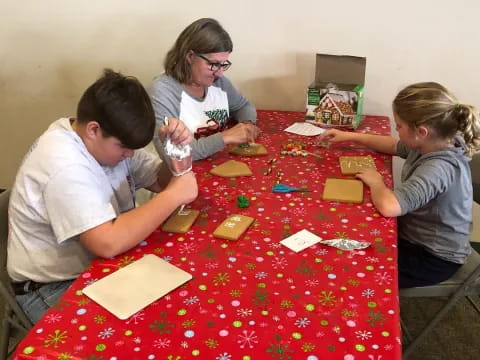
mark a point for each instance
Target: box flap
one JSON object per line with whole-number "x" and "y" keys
{"x": 340, "y": 69}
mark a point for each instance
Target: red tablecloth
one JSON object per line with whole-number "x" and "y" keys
{"x": 252, "y": 299}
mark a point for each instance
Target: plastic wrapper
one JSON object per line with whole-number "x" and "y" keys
{"x": 178, "y": 157}
{"x": 346, "y": 244}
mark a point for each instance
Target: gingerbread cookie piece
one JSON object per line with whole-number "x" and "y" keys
{"x": 249, "y": 150}
{"x": 233, "y": 227}
{"x": 232, "y": 168}
{"x": 350, "y": 165}
{"x": 343, "y": 190}
{"x": 180, "y": 222}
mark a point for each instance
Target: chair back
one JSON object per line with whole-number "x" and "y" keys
{"x": 4, "y": 198}
{"x": 6, "y": 290}
{"x": 475, "y": 169}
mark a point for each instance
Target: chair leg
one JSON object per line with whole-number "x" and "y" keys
{"x": 22, "y": 318}
{"x": 474, "y": 304}
{"x": 461, "y": 292}
{"x": 409, "y": 350}
{"x": 405, "y": 331}
{"x": 5, "y": 336}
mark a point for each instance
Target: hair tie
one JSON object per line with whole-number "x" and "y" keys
{"x": 457, "y": 106}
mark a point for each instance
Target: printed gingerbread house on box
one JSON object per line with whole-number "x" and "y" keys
{"x": 335, "y": 98}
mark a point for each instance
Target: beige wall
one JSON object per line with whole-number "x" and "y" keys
{"x": 51, "y": 50}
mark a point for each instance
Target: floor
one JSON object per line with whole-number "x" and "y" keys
{"x": 456, "y": 337}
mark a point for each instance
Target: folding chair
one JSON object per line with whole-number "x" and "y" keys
{"x": 475, "y": 168}
{"x": 14, "y": 317}
{"x": 464, "y": 283}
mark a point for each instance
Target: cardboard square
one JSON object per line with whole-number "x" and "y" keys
{"x": 232, "y": 168}
{"x": 251, "y": 150}
{"x": 343, "y": 190}
{"x": 233, "y": 227}
{"x": 350, "y": 165}
{"x": 180, "y": 222}
{"x": 135, "y": 286}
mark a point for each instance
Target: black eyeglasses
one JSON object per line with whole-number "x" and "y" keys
{"x": 215, "y": 66}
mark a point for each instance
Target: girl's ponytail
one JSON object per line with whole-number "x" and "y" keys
{"x": 468, "y": 125}
{"x": 431, "y": 104}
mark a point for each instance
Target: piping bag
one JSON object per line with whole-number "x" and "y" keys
{"x": 178, "y": 158}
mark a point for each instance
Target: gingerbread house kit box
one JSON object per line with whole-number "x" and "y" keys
{"x": 335, "y": 98}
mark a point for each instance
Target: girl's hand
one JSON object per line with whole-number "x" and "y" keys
{"x": 371, "y": 177}
{"x": 334, "y": 135}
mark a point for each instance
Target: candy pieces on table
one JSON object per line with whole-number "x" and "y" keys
{"x": 343, "y": 190}
{"x": 271, "y": 166}
{"x": 180, "y": 221}
{"x": 242, "y": 201}
{"x": 350, "y": 165}
{"x": 281, "y": 188}
{"x": 249, "y": 150}
{"x": 233, "y": 227}
{"x": 297, "y": 148}
{"x": 294, "y": 148}
{"x": 231, "y": 168}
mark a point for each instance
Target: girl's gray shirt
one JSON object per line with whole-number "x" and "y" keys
{"x": 436, "y": 201}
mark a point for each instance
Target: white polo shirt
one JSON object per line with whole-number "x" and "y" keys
{"x": 60, "y": 192}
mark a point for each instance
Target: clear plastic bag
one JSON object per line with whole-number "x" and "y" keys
{"x": 178, "y": 157}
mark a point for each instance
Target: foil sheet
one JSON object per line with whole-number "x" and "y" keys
{"x": 346, "y": 244}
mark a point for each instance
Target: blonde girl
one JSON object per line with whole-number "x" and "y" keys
{"x": 437, "y": 134}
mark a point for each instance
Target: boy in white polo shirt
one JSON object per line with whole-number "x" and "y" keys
{"x": 74, "y": 194}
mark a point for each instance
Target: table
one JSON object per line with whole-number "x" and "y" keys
{"x": 252, "y": 299}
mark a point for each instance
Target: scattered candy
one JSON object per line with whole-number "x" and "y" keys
{"x": 242, "y": 201}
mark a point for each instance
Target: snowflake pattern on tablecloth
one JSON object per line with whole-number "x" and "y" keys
{"x": 252, "y": 299}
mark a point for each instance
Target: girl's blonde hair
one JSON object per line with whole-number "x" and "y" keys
{"x": 203, "y": 36}
{"x": 432, "y": 105}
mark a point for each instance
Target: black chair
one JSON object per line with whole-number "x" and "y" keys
{"x": 464, "y": 284}
{"x": 475, "y": 168}
{"x": 14, "y": 317}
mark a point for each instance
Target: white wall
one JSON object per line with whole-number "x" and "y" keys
{"x": 51, "y": 50}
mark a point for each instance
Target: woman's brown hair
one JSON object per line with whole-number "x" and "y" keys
{"x": 203, "y": 36}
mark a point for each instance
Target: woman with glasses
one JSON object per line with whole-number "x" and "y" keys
{"x": 194, "y": 90}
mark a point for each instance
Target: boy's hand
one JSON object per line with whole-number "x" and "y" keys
{"x": 334, "y": 135}
{"x": 240, "y": 134}
{"x": 179, "y": 133}
{"x": 371, "y": 177}
{"x": 184, "y": 187}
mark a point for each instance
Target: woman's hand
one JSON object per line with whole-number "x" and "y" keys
{"x": 179, "y": 133}
{"x": 240, "y": 134}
